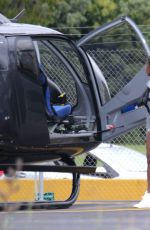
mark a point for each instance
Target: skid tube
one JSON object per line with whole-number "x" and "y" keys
{"x": 76, "y": 171}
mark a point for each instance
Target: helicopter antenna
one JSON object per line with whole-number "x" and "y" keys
{"x": 18, "y": 16}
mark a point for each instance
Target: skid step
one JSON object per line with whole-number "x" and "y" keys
{"x": 52, "y": 168}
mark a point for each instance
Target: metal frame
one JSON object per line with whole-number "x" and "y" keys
{"x": 52, "y": 168}
{"x": 115, "y": 23}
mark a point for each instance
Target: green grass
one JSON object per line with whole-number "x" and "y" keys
{"x": 139, "y": 148}
{"x": 80, "y": 159}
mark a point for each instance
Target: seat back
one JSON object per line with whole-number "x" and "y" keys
{"x": 54, "y": 101}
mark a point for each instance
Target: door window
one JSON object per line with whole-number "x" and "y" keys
{"x": 119, "y": 54}
{"x": 71, "y": 54}
{"x": 3, "y": 54}
{"x": 26, "y": 58}
{"x": 56, "y": 71}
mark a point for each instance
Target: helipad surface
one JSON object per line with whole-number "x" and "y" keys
{"x": 97, "y": 215}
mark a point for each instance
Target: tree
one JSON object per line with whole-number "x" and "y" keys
{"x": 52, "y": 13}
{"x": 79, "y": 13}
{"x": 138, "y": 10}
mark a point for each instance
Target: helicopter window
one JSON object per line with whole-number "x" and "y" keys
{"x": 26, "y": 58}
{"x": 3, "y": 54}
{"x": 56, "y": 71}
{"x": 71, "y": 54}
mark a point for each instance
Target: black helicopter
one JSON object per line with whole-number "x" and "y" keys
{"x": 55, "y": 101}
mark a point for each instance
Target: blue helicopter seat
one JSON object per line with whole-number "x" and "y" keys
{"x": 59, "y": 110}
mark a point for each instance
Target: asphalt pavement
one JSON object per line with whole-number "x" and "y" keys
{"x": 97, "y": 215}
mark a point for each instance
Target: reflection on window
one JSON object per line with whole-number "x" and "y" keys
{"x": 3, "y": 54}
{"x": 26, "y": 59}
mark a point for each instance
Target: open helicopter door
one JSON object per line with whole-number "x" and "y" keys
{"x": 117, "y": 53}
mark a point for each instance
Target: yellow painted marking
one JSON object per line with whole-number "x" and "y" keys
{"x": 102, "y": 210}
{"x": 83, "y": 211}
{"x": 102, "y": 202}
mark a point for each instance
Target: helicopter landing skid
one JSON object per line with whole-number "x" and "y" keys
{"x": 10, "y": 206}
{"x": 14, "y": 206}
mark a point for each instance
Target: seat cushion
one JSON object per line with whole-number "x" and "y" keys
{"x": 62, "y": 110}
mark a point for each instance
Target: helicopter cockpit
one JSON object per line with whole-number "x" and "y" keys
{"x": 65, "y": 88}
